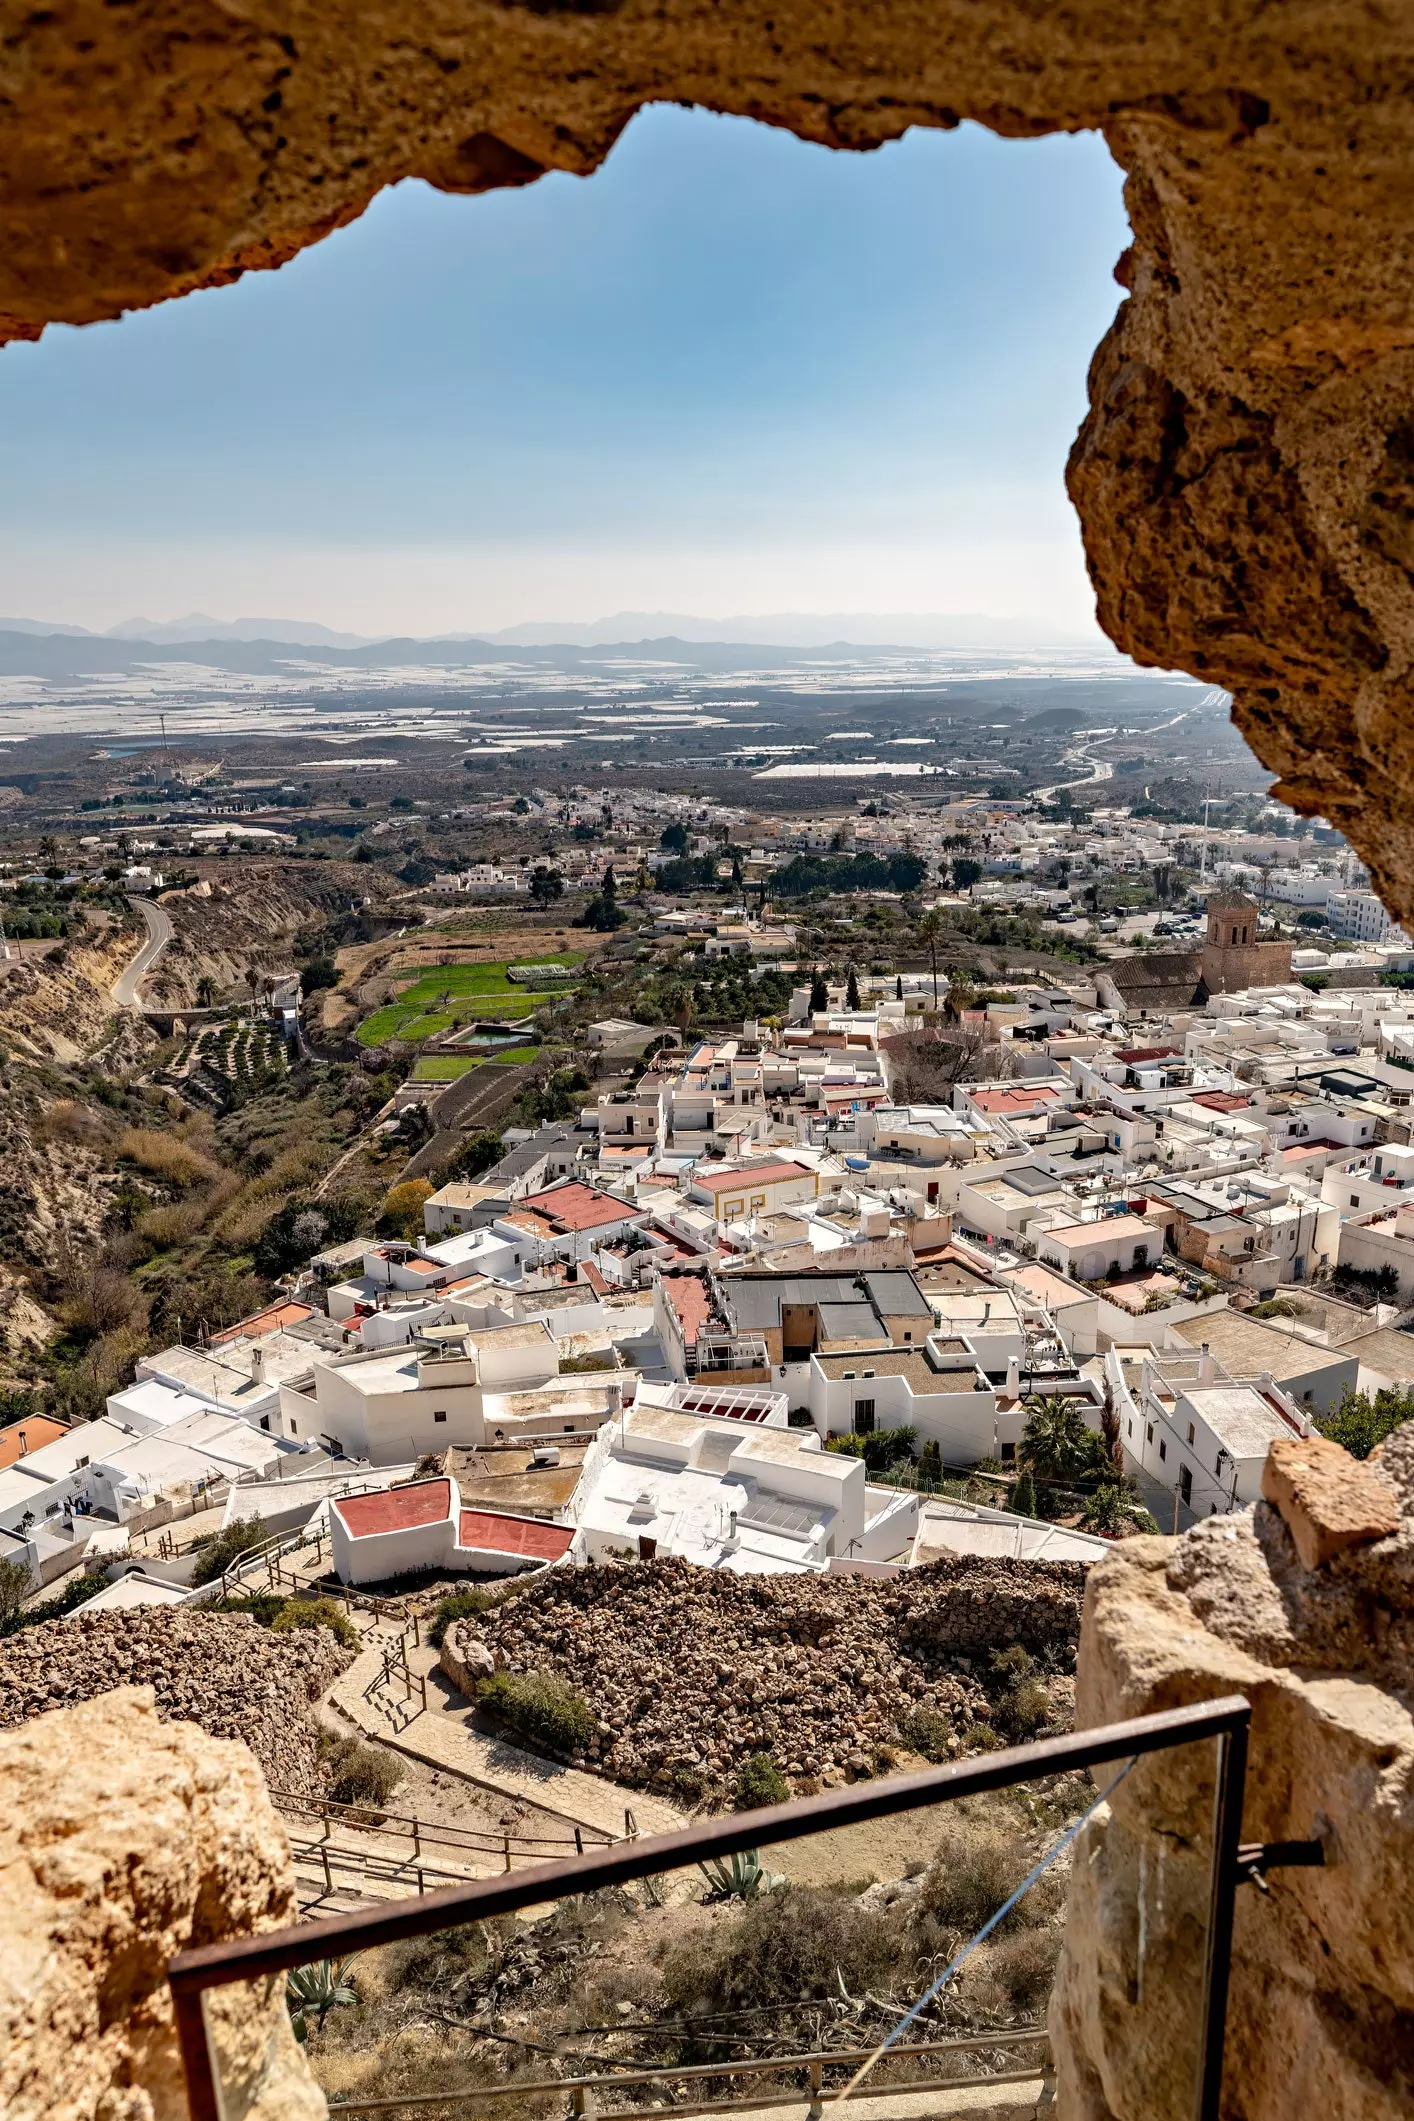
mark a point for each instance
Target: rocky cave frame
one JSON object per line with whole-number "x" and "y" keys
{"x": 1245, "y": 473}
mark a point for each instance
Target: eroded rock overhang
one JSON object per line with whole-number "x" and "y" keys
{"x": 1245, "y": 474}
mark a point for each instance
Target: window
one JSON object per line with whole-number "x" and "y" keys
{"x": 1190, "y": 1432}
{"x": 1354, "y": 1200}
{"x": 1129, "y": 1427}
{"x": 1163, "y": 1448}
{"x": 1008, "y": 1453}
{"x": 908, "y": 1336}
{"x": 294, "y": 1428}
{"x": 1185, "y": 1483}
{"x": 864, "y": 1417}
{"x": 439, "y": 1414}
{"x": 1149, "y": 1433}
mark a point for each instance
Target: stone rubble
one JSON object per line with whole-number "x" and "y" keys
{"x": 219, "y": 1670}
{"x": 689, "y": 1672}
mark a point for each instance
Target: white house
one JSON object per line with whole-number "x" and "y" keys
{"x": 1090, "y": 1251}
{"x": 938, "y": 1389}
{"x": 423, "y": 1526}
{"x": 732, "y": 1494}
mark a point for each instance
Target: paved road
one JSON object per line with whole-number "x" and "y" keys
{"x": 159, "y": 934}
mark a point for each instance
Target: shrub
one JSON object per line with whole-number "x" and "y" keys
{"x": 541, "y": 1707}
{"x": 799, "y": 1942}
{"x": 760, "y": 1782}
{"x": 927, "y": 1731}
{"x": 1021, "y": 1702}
{"x": 360, "y": 1774}
{"x": 76, "y": 1592}
{"x": 316, "y": 1613}
{"x": 1359, "y": 1422}
{"x": 460, "y": 1606}
{"x": 222, "y": 1548}
{"x": 980, "y": 1860}
{"x": 168, "y": 1157}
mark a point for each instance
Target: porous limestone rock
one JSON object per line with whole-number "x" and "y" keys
{"x": 1245, "y": 475}
{"x": 1321, "y": 2017}
{"x": 1327, "y": 1500}
{"x": 123, "y": 1840}
{"x": 465, "y": 1659}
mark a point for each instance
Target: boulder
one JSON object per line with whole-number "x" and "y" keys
{"x": 1327, "y": 1499}
{"x": 465, "y": 1658}
{"x": 1323, "y": 1964}
{"x": 124, "y": 1840}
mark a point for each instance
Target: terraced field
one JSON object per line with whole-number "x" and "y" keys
{"x": 448, "y": 995}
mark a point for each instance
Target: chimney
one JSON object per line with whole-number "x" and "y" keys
{"x": 1013, "y": 1377}
{"x": 257, "y": 1366}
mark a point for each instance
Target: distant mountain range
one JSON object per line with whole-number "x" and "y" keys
{"x": 783, "y": 629}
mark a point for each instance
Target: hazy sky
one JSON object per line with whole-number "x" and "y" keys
{"x": 728, "y": 373}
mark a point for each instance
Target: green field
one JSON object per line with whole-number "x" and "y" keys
{"x": 449, "y": 994}
{"x": 450, "y": 1067}
{"x": 443, "y": 1067}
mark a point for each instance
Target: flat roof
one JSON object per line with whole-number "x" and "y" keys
{"x": 1247, "y": 1346}
{"x": 743, "y": 1175}
{"x": 1004, "y": 1101}
{"x": 31, "y": 1433}
{"x": 1114, "y": 1227}
{"x": 395, "y": 1509}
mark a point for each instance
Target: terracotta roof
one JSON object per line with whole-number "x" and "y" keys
{"x": 1005, "y": 1101}
{"x": 396, "y": 1509}
{"x": 688, "y": 1295}
{"x": 575, "y": 1206}
{"x": 742, "y": 1176}
{"x": 271, "y": 1320}
{"x": 1219, "y": 1100}
{"x": 514, "y": 1535}
{"x": 29, "y": 1434}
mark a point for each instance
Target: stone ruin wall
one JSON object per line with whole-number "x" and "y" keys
{"x": 1245, "y": 472}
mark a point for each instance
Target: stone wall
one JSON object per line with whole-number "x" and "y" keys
{"x": 1321, "y": 2019}
{"x": 124, "y": 1840}
{"x": 1228, "y": 967}
{"x": 689, "y": 1672}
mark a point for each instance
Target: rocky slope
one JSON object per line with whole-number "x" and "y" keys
{"x": 221, "y": 1670}
{"x": 60, "y": 1006}
{"x": 247, "y": 918}
{"x": 690, "y": 1673}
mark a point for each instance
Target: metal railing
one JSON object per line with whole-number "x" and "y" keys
{"x": 472, "y": 1841}
{"x": 192, "y": 1974}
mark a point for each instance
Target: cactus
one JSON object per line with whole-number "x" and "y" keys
{"x": 311, "y": 1992}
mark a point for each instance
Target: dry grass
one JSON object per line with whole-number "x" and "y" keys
{"x": 179, "y": 1222}
{"x": 173, "y": 1157}
{"x": 292, "y": 1171}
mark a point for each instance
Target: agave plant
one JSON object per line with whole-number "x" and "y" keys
{"x": 311, "y": 1992}
{"x": 739, "y": 1877}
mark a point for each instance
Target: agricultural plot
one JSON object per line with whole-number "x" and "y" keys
{"x": 447, "y": 995}
{"x": 239, "y": 1054}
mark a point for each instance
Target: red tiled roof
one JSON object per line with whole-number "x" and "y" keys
{"x": 272, "y": 1320}
{"x": 575, "y": 1206}
{"x": 1146, "y": 1053}
{"x": 396, "y": 1509}
{"x": 744, "y": 1176}
{"x": 514, "y": 1535}
{"x": 1219, "y": 1100}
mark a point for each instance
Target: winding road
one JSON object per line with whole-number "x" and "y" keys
{"x": 159, "y": 934}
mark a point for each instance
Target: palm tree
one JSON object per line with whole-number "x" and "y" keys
{"x": 929, "y": 932}
{"x": 205, "y": 991}
{"x": 253, "y": 979}
{"x": 1056, "y": 1444}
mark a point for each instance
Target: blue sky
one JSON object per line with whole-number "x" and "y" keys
{"x": 728, "y": 373}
